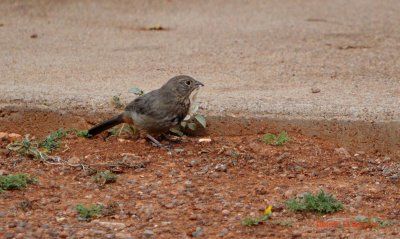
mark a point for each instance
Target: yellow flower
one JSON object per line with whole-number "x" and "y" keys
{"x": 268, "y": 210}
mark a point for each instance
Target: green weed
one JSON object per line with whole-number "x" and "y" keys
{"x": 89, "y": 212}
{"x": 27, "y": 148}
{"x": 82, "y": 133}
{"x": 16, "y": 182}
{"x": 105, "y": 177}
{"x": 93, "y": 211}
{"x": 52, "y": 141}
{"x": 272, "y": 139}
{"x": 321, "y": 203}
{"x": 255, "y": 221}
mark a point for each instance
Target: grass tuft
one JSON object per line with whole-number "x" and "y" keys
{"x": 16, "y": 182}
{"x": 89, "y": 212}
{"x": 27, "y": 148}
{"x": 272, "y": 139}
{"x": 105, "y": 177}
{"x": 82, "y": 133}
{"x": 52, "y": 141}
{"x": 321, "y": 203}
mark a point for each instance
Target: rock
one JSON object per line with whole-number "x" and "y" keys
{"x": 223, "y": 232}
{"x": 74, "y": 160}
{"x": 146, "y": 212}
{"x": 199, "y": 232}
{"x": 112, "y": 225}
{"x": 342, "y": 152}
{"x": 261, "y": 190}
{"x": 221, "y": 167}
{"x": 206, "y": 140}
{"x": 225, "y": 212}
{"x": 296, "y": 234}
{"x": 300, "y": 177}
{"x": 289, "y": 193}
{"x": 14, "y": 137}
{"x": 60, "y": 219}
{"x": 148, "y": 233}
{"x": 315, "y": 90}
{"x": 166, "y": 223}
{"x": 336, "y": 170}
{"x": 3, "y": 172}
{"x": 283, "y": 156}
{"x": 361, "y": 218}
{"x": 3, "y": 136}
{"x": 123, "y": 235}
{"x": 193, "y": 163}
{"x": 394, "y": 177}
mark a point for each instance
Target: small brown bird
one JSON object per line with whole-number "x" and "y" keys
{"x": 157, "y": 111}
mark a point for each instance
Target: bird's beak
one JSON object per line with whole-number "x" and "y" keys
{"x": 198, "y": 84}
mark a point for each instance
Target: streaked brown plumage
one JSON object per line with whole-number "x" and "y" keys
{"x": 157, "y": 111}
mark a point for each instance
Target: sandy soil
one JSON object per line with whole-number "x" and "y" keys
{"x": 172, "y": 196}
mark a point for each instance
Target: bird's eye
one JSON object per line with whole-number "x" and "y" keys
{"x": 188, "y": 82}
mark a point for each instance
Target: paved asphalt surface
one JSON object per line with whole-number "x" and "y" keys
{"x": 256, "y": 58}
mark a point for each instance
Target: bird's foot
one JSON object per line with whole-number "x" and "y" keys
{"x": 156, "y": 143}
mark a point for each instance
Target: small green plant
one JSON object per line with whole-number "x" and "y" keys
{"x": 321, "y": 203}
{"x": 92, "y": 211}
{"x": 82, "y": 133}
{"x": 16, "y": 182}
{"x": 89, "y": 212}
{"x": 27, "y": 148}
{"x": 272, "y": 139}
{"x": 257, "y": 220}
{"x": 52, "y": 141}
{"x": 136, "y": 91}
{"x": 105, "y": 177}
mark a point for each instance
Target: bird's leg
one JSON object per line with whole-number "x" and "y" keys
{"x": 157, "y": 143}
{"x": 172, "y": 139}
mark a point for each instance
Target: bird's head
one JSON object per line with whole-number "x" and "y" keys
{"x": 182, "y": 85}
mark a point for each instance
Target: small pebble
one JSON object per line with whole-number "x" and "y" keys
{"x": 221, "y": 167}
{"x": 199, "y": 232}
{"x": 315, "y": 90}
{"x": 148, "y": 233}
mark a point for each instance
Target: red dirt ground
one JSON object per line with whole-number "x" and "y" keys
{"x": 172, "y": 195}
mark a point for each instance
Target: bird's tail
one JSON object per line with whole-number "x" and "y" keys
{"x": 97, "y": 129}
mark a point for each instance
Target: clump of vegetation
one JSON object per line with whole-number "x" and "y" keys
{"x": 105, "y": 177}
{"x": 27, "y": 148}
{"x": 321, "y": 203}
{"x": 82, "y": 133}
{"x": 93, "y": 211}
{"x": 15, "y": 182}
{"x": 89, "y": 212}
{"x": 257, "y": 220}
{"x": 52, "y": 141}
{"x": 272, "y": 139}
